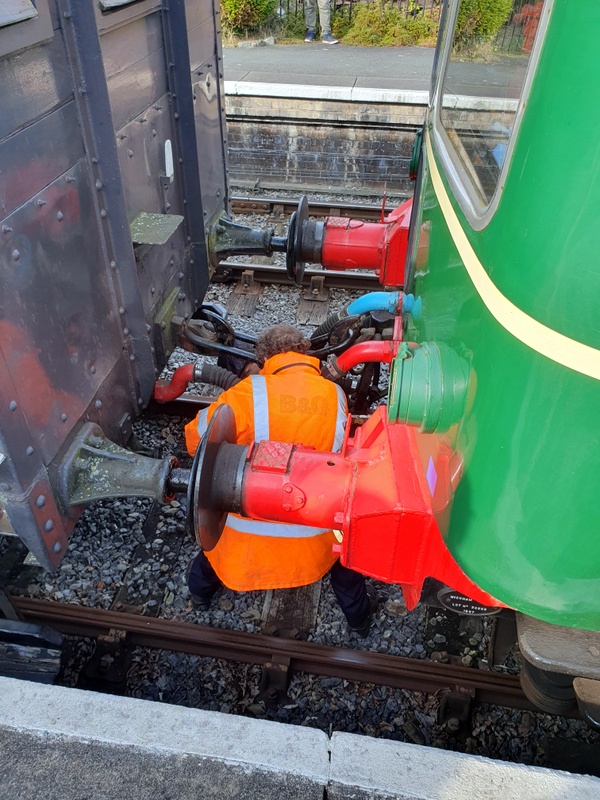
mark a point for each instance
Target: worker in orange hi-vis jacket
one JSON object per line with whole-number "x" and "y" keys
{"x": 287, "y": 401}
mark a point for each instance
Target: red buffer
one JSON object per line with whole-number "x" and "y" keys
{"x": 389, "y": 492}
{"x": 380, "y": 246}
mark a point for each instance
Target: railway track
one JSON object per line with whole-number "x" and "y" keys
{"x": 479, "y": 686}
{"x": 230, "y": 271}
{"x": 285, "y": 206}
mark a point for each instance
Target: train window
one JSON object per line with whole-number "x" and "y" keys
{"x": 23, "y": 24}
{"x": 480, "y": 99}
{"x": 13, "y": 11}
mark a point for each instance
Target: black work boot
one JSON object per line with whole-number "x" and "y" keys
{"x": 365, "y": 626}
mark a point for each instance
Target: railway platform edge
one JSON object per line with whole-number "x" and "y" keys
{"x": 65, "y": 743}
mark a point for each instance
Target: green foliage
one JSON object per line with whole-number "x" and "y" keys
{"x": 293, "y": 26}
{"x": 481, "y": 18}
{"x": 385, "y": 25}
{"x": 247, "y": 15}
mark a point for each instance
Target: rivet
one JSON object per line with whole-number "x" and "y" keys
{"x": 67, "y": 14}
{"x": 70, "y": 179}
{"x": 132, "y": 357}
{"x": 98, "y": 405}
{"x": 152, "y": 290}
{"x": 6, "y": 229}
{"x": 57, "y": 547}
{"x": 125, "y": 331}
{"x": 148, "y": 328}
{"x": 163, "y": 325}
{"x": 121, "y": 310}
{"x": 99, "y": 184}
{"x": 16, "y": 255}
{"x": 48, "y": 525}
{"x": 60, "y": 216}
{"x": 94, "y": 160}
{"x": 176, "y": 115}
{"x": 63, "y": 417}
{"x": 181, "y": 296}
{"x": 168, "y": 206}
{"x": 41, "y": 202}
{"x": 184, "y": 202}
{"x": 192, "y": 262}
{"x": 13, "y": 405}
{"x": 93, "y": 369}
{"x": 130, "y": 153}
{"x": 40, "y": 501}
{"x": 103, "y": 213}
{"x": 153, "y": 132}
{"x": 29, "y": 451}
{"x": 181, "y": 160}
{"x": 181, "y": 276}
{"x": 140, "y": 401}
{"x": 113, "y": 264}
{"x": 82, "y": 90}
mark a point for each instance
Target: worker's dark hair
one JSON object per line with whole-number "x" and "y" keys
{"x": 280, "y": 339}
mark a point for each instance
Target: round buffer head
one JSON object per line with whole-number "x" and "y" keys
{"x": 204, "y": 520}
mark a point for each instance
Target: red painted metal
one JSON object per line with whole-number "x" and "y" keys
{"x": 380, "y": 246}
{"x": 166, "y": 392}
{"x": 389, "y": 492}
{"x": 383, "y": 352}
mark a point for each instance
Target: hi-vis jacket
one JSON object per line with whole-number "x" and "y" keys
{"x": 288, "y": 401}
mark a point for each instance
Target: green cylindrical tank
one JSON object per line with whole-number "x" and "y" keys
{"x": 525, "y": 523}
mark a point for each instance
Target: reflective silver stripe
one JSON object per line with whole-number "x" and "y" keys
{"x": 261, "y": 408}
{"x": 340, "y": 422}
{"x": 202, "y": 422}
{"x": 260, "y": 528}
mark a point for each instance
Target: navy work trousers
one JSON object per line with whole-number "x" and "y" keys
{"x": 349, "y": 587}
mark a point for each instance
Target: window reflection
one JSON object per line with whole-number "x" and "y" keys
{"x": 480, "y": 95}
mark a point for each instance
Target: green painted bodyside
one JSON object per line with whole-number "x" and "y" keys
{"x": 525, "y": 523}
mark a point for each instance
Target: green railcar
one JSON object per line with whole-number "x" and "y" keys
{"x": 507, "y": 213}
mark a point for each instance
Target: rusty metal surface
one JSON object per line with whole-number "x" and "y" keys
{"x": 570, "y": 651}
{"x": 78, "y": 303}
{"x": 356, "y": 665}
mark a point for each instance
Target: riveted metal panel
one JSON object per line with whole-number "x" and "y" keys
{"x": 134, "y": 60}
{"x": 59, "y": 297}
{"x": 32, "y": 84}
{"x": 82, "y": 152}
{"x": 209, "y": 132}
{"x": 55, "y": 140}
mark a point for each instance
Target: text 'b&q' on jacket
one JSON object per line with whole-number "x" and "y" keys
{"x": 290, "y": 402}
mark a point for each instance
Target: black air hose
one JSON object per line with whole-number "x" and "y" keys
{"x": 329, "y": 323}
{"x": 216, "y": 376}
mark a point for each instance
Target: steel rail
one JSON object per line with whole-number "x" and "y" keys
{"x": 354, "y": 665}
{"x": 231, "y": 270}
{"x": 316, "y": 208}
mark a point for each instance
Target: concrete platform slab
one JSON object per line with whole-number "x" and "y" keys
{"x": 65, "y": 744}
